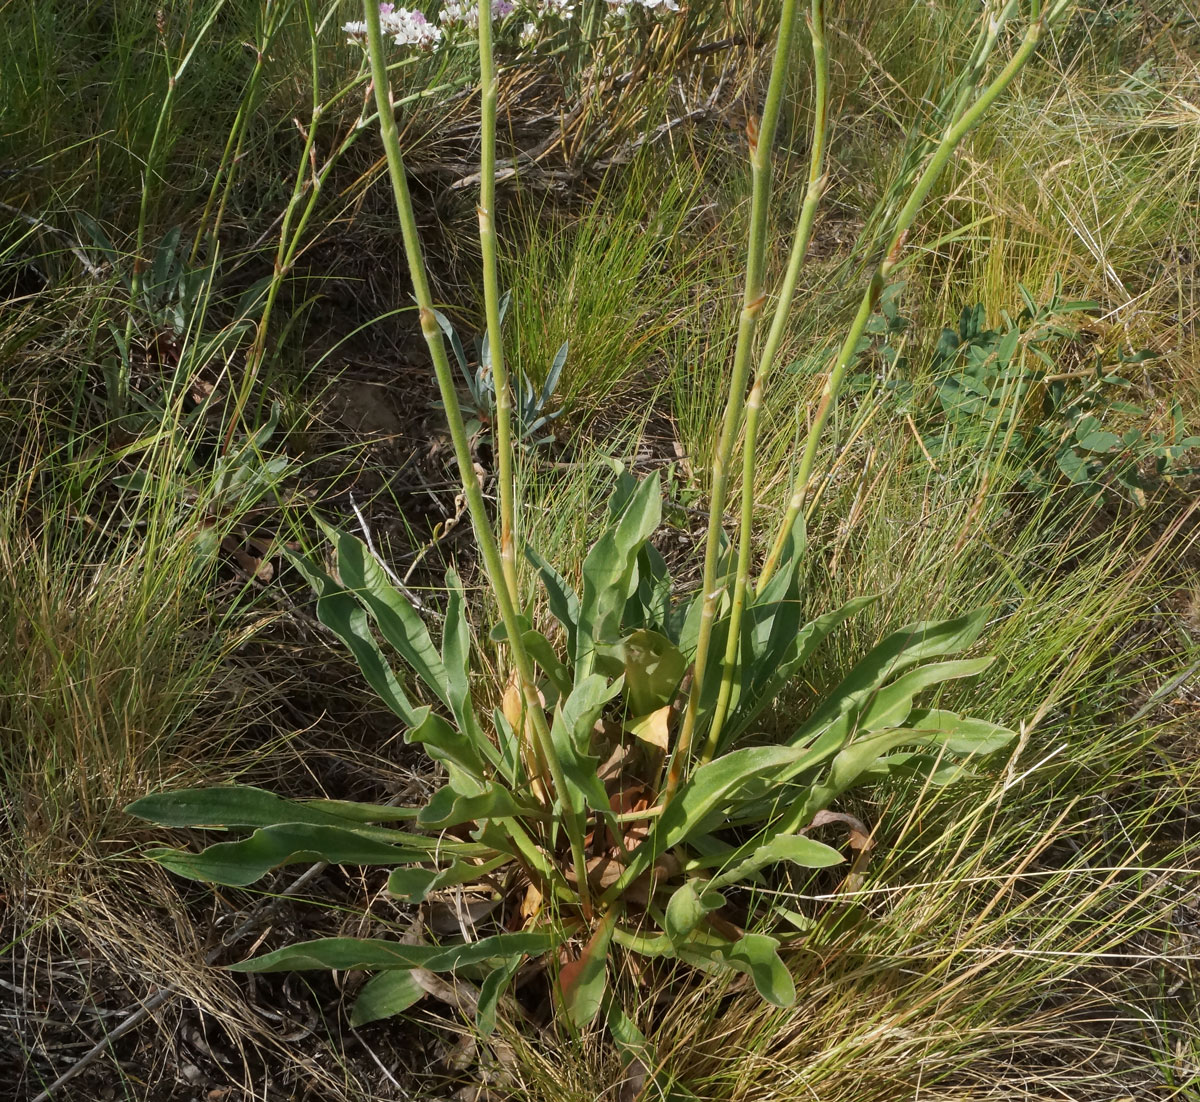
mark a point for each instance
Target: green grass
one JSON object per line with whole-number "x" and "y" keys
{"x": 1029, "y": 935}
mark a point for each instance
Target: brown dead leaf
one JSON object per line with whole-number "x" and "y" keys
{"x": 259, "y": 567}
{"x": 860, "y": 837}
{"x": 653, "y": 731}
{"x": 860, "y": 841}
{"x": 531, "y": 904}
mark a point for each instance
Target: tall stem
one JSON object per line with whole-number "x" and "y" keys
{"x": 472, "y": 492}
{"x": 762, "y": 137}
{"x": 959, "y": 127}
{"x": 489, "y": 82}
{"x": 787, "y": 291}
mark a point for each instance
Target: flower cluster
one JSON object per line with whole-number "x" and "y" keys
{"x": 618, "y": 8}
{"x": 411, "y": 28}
{"x": 554, "y": 9}
{"x": 465, "y": 13}
{"x": 407, "y": 28}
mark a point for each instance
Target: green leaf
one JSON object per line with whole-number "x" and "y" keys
{"x": 450, "y": 808}
{"x": 1092, "y": 438}
{"x": 757, "y": 955}
{"x": 960, "y": 734}
{"x": 700, "y": 803}
{"x": 398, "y": 621}
{"x": 571, "y": 733}
{"x": 651, "y": 602}
{"x": 892, "y": 703}
{"x": 490, "y": 993}
{"x": 346, "y": 953}
{"x": 384, "y": 996}
{"x": 413, "y": 885}
{"x": 687, "y": 907}
{"x": 239, "y": 863}
{"x": 244, "y": 806}
{"x": 893, "y": 656}
{"x": 654, "y": 667}
{"x": 637, "y": 1052}
{"x": 163, "y": 264}
{"x": 343, "y": 615}
{"x": 608, "y": 573}
{"x": 796, "y": 848}
{"x": 564, "y": 604}
{"x": 458, "y": 752}
{"x": 456, "y": 659}
{"x": 541, "y": 651}
{"x": 783, "y": 653}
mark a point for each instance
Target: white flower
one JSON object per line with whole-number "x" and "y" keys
{"x": 529, "y": 34}
{"x": 465, "y": 13}
{"x": 618, "y": 8}
{"x": 555, "y": 9}
{"x": 407, "y": 28}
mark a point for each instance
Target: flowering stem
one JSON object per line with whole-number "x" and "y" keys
{"x": 960, "y": 125}
{"x": 472, "y": 492}
{"x": 491, "y": 299}
{"x": 761, "y": 135}
{"x": 787, "y": 291}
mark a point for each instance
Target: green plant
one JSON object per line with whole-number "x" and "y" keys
{"x": 1004, "y": 390}
{"x": 164, "y": 327}
{"x": 220, "y": 493}
{"x": 532, "y": 413}
{"x": 618, "y": 795}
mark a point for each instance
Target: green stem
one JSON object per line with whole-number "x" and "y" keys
{"x": 800, "y": 242}
{"x": 489, "y": 82}
{"x": 954, "y": 134}
{"x": 762, "y": 136}
{"x": 472, "y": 492}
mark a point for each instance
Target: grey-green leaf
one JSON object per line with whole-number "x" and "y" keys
{"x": 346, "y": 953}
{"x": 398, "y": 621}
{"x": 239, "y": 863}
{"x": 386, "y": 995}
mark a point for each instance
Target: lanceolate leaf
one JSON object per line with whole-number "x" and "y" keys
{"x": 456, "y": 660}
{"x": 687, "y": 907}
{"x": 581, "y": 982}
{"x": 384, "y": 996}
{"x": 491, "y": 991}
{"x": 414, "y": 884}
{"x": 897, "y": 653}
{"x": 890, "y": 706}
{"x": 343, "y": 615}
{"x": 640, "y": 1058}
{"x": 564, "y": 604}
{"x": 608, "y": 573}
{"x": 959, "y": 734}
{"x": 796, "y": 848}
{"x": 244, "y": 806}
{"x": 571, "y": 733}
{"x": 779, "y": 649}
{"x": 243, "y": 862}
{"x": 757, "y": 955}
{"x": 398, "y": 621}
{"x": 700, "y": 803}
{"x": 345, "y": 953}
{"x": 450, "y": 808}
{"x": 461, "y": 755}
